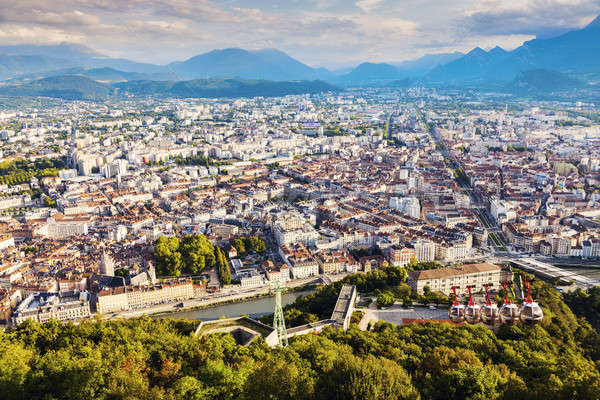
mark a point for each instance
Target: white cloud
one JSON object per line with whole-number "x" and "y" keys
{"x": 368, "y": 5}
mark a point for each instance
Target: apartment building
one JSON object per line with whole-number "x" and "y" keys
{"x": 130, "y": 297}
{"x": 41, "y": 307}
{"x": 301, "y": 263}
{"x": 443, "y": 279}
{"x": 336, "y": 262}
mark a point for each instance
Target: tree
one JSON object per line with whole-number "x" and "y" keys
{"x": 367, "y": 378}
{"x": 190, "y": 388}
{"x": 281, "y": 379}
{"x": 14, "y": 368}
{"x": 239, "y": 245}
{"x": 385, "y": 299}
{"x": 190, "y": 255}
{"x": 167, "y": 256}
{"x": 222, "y": 266}
{"x": 49, "y": 202}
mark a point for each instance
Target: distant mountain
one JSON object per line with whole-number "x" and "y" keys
{"x": 575, "y": 52}
{"x": 12, "y": 65}
{"x": 238, "y": 63}
{"x": 106, "y": 75}
{"x": 214, "y": 88}
{"x": 543, "y": 81}
{"x": 370, "y": 72}
{"x": 65, "y": 51}
{"x": 68, "y": 87}
{"x": 401, "y": 83}
{"x": 21, "y": 60}
{"x": 475, "y": 66}
{"x": 76, "y": 87}
{"x": 422, "y": 65}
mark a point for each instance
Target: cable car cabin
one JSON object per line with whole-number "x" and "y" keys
{"x": 489, "y": 311}
{"x": 509, "y": 314}
{"x": 472, "y": 311}
{"x": 531, "y": 313}
{"x": 456, "y": 313}
{"x": 473, "y": 314}
{"x": 490, "y": 314}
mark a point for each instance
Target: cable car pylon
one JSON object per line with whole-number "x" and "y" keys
{"x": 278, "y": 321}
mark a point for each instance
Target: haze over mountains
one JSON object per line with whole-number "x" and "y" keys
{"x": 575, "y": 54}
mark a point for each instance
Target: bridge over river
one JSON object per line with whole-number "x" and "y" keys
{"x": 550, "y": 271}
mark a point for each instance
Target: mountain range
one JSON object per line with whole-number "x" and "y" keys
{"x": 575, "y": 54}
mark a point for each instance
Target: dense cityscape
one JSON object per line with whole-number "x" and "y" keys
{"x": 409, "y": 175}
{"x": 190, "y": 212}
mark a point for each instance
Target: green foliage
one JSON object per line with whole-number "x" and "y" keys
{"x": 249, "y": 244}
{"x": 49, "y": 202}
{"x": 191, "y": 255}
{"x": 217, "y": 88}
{"x": 586, "y": 304}
{"x": 385, "y": 299}
{"x": 148, "y": 358}
{"x": 18, "y": 171}
{"x": 222, "y": 266}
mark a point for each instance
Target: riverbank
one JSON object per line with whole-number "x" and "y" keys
{"x": 254, "y": 308}
{"x": 301, "y": 291}
{"x": 215, "y": 300}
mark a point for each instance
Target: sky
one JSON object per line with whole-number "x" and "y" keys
{"x": 329, "y": 33}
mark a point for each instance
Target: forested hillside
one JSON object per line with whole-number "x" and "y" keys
{"x": 161, "y": 359}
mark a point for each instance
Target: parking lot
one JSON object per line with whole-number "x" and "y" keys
{"x": 396, "y": 314}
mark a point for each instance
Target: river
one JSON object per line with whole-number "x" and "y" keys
{"x": 254, "y": 308}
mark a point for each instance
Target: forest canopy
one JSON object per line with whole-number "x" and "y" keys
{"x": 148, "y": 358}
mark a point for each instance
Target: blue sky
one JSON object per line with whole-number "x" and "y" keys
{"x": 330, "y": 33}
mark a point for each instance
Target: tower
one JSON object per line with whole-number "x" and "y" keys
{"x": 107, "y": 265}
{"x": 278, "y": 321}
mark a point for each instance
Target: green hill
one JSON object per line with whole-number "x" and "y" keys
{"x": 149, "y": 358}
{"x": 76, "y": 87}
{"x": 213, "y": 88}
{"x": 68, "y": 87}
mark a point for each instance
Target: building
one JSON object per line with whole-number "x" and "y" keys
{"x": 336, "y": 262}
{"x": 131, "y": 297}
{"x": 107, "y": 265}
{"x": 424, "y": 250}
{"x": 591, "y": 248}
{"x": 60, "y": 226}
{"x": 6, "y": 241}
{"x": 443, "y": 279}
{"x": 40, "y": 307}
{"x": 400, "y": 256}
{"x": 301, "y": 263}
{"x": 280, "y": 273}
{"x": 249, "y": 279}
{"x": 406, "y": 205}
